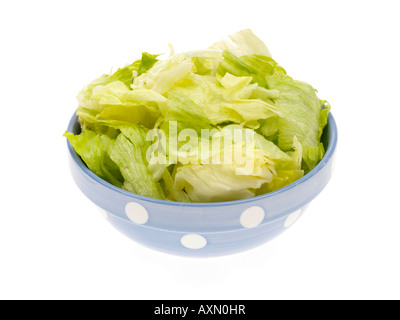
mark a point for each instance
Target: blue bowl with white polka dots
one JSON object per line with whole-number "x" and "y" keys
{"x": 204, "y": 229}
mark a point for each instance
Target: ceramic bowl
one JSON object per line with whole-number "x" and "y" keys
{"x": 204, "y": 229}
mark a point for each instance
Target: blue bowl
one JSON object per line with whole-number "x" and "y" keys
{"x": 204, "y": 229}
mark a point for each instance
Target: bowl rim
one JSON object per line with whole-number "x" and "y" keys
{"x": 332, "y": 143}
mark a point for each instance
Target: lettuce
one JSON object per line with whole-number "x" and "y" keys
{"x": 148, "y": 60}
{"x": 219, "y": 124}
{"x": 301, "y": 117}
{"x": 128, "y": 151}
{"x": 242, "y": 43}
{"x": 115, "y": 104}
{"x": 215, "y": 183}
{"x": 125, "y": 75}
{"x": 92, "y": 148}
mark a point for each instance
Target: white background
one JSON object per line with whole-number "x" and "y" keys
{"x": 55, "y": 245}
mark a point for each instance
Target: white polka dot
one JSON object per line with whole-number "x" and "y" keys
{"x": 292, "y": 218}
{"x": 136, "y": 213}
{"x": 193, "y": 241}
{"x": 252, "y": 217}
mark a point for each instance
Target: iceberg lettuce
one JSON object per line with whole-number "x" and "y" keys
{"x": 219, "y": 124}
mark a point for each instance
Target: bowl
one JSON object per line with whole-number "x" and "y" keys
{"x": 204, "y": 229}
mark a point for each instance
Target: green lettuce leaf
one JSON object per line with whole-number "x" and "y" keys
{"x": 238, "y": 67}
{"x": 263, "y": 165}
{"x": 116, "y": 105}
{"x": 243, "y": 42}
{"x": 128, "y": 151}
{"x": 301, "y": 117}
{"x": 214, "y": 183}
{"x": 172, "y": 192}
{"x": 124, "y": 75}
{"x": 148, "y": 60}
{"x": 263, "y": 64}
{"x": 92, "y": 148}
{"x": 164, "y": 74}
{"x": 227, "y": 100}
{"x": 185, "y": 112}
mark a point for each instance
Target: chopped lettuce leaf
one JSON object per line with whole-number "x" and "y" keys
{"x": 148, "y": 60}
{"x": 172, "y": 192}
{"x": 164, "y": 74}
{"x": 238, "y": 67}
{"x": 116, "y": 105}
{"x": 264, "y": 65}
{"x": 280, "y": 180}
{"x": 301, "y": 116}
{"x": 226, "y": 100}
{"x": 214, "y": 183}
{"x": 269, "y": 126}
{"x": 242, "y": 43}
{"x": 182, "y": 125}
{"x": 125, "y": 75}
{"x": 128, "y": 151}
{"x": 185, "y": 112}
{"x": 92, "y": 148}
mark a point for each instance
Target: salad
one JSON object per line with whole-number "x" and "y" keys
{"x": 219, "y": 124}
